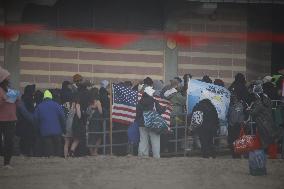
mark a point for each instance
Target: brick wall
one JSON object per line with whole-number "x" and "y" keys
{"x": 259, "y": 53}
{"x": 221, "y": 59}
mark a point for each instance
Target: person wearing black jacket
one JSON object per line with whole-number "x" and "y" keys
{"x": 147, "y": 103}
{"x": 238, "y": 87}
{"x": 204, "y": 122}
{"x": 25, "y": 129}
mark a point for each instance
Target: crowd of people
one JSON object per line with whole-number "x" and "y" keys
{"x": 54, "y": 122}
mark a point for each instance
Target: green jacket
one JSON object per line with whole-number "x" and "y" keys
{"x": 178, "y": 102}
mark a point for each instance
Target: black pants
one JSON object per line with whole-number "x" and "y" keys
{"x": 52, "y": 146}
{"x": 207, "y": 144}
{"x": 27, "y": 145}
{"x": 7, "y": 132}
{"x": 233, "y": 134}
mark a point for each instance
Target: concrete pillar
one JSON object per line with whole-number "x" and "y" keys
{"x": 171, "y": 52}
{"x": 12, "y": 54}
{"x": 13, "y": 15}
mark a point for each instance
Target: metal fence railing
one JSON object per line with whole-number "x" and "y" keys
{"x": 180, "y": 141}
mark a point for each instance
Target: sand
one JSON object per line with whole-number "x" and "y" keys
{"x": 138, "y": 173}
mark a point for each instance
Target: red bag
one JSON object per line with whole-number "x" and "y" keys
{"x": 246, "y": 143}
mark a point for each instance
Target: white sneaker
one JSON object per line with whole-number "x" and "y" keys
{"x": 8, "y": 167}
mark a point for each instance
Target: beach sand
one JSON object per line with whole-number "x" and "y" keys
{"x": 130, "y": 172}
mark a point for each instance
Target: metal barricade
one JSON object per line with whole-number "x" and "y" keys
{"x": 192, "y": 141}
{"x": 106, "y": 135}
{"x": 178, "y": 131}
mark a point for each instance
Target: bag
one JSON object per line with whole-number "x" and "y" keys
{"x": 257, "y": 163}
{"x": 196, "y": 120}
{"x": 155, "y": 122}
{"x": 246, "y": 143}
{"x": 236, "y": 114}
{"x": 133, "y": 133}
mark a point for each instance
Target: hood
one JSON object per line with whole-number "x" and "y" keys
{"x": 104, "y": 83}
{"x": 29, "y": 90}
{"x": 47, "y": 94}
{"x": 4, "y": 74}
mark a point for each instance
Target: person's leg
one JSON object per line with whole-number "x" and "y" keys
{"x": 57, "y": 145}
{"x": 26, "y": 148}
{"x": 98, "y": 143}
{"x": 1, "y": 142}
{"x": 211, "y": 145}
{"x": 164, "y": 142}
{"x": 38, "y": 147}
{"x": 155, "y": 143}
{"x": 74, "y": 145}
{"x": 204, "y": 144}
{"x": 143, "y": 149}
{"x": 233, "y": 134}
{"x": 67, "y": 141}
{"x": 8, "y": 133}
{"x": 22, "y": 146}
{"x": 47, "y": 146}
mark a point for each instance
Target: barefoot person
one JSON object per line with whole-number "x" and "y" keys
{"x": 95, "y": 124}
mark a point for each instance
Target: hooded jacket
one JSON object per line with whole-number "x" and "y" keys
{"x": 204, "y": 115}
{"x": 261, "y": 113}
{"x": 25, "y": 124}
{"x": 7, "y": 110}
{"x": 49, "y": 117}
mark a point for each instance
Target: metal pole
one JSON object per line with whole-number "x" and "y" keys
{"x": 104, "y": 139}
{"x": 186, "y": 113}
{"x": 185, "y": 134}
{"x": 110, "y": 118}
{"x": 176, "y": 142}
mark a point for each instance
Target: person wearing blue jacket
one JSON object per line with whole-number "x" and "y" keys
{"x": 49, "y": 117}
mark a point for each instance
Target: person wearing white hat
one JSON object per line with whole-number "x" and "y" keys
{"x": 148, "y": 103}
{"x": 8, "y": 118}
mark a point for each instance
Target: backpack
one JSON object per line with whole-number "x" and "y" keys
{"x": 236, "y": 113}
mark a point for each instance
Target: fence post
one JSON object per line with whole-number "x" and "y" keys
{"x": 110, "y": 118}
{"x": 104, "y": 138}
{"x": 185, "y": 135}
{"x": 176, "y": 133}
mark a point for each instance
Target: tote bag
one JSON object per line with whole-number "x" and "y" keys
{"x": 155, "y": 122}
{"x": 246, "y": 143}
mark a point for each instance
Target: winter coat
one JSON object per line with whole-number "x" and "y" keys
{"x": 25, "y": 127}
{"x": 147, "y": 103}
{"x": 178, "y": 102}
{"x": 7, "y": 110}
{"x": 261, "y": 113}
{"x": 205, "y": 117}
{"x": 104, "y": 99}
{"x": 240, "y": 90}
{"x": 49, "y": 117}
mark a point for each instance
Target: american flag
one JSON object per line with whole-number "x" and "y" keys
{"x": 125, "y": 101}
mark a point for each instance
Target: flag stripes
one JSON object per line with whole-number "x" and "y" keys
{"x": 125, "y": 101}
